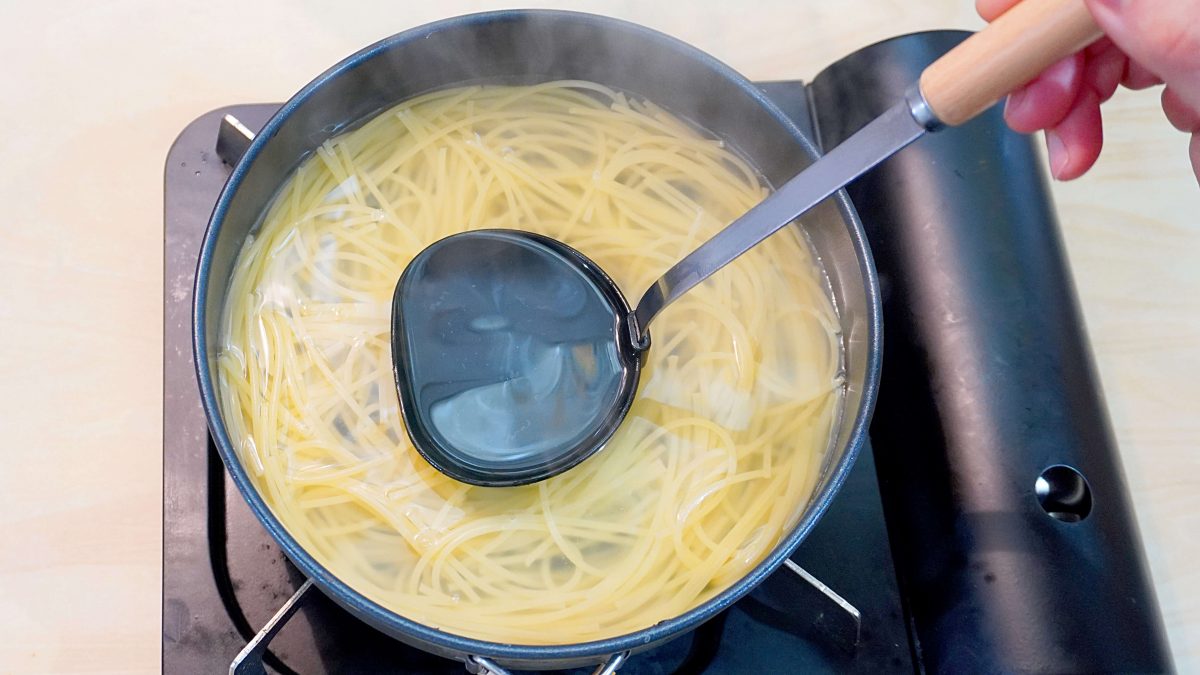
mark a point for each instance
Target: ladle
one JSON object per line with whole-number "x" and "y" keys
{"x": 516, "y": 357}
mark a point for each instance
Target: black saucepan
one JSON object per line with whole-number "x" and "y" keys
{"x": 526, "y": 47}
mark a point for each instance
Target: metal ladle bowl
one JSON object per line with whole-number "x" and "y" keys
{"x": 514, "y": 356}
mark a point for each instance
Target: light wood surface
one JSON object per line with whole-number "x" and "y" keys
{"x": 94, "y": 93}
{"x": 1009, "y": 52}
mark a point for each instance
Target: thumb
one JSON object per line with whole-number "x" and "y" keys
{"x": 1163, "y": 36}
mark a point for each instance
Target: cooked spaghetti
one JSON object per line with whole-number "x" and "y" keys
{"x": 716, "y": 459}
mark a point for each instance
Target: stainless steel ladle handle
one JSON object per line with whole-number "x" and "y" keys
{"x": 895, "y": 128}
{"x": 738, "y": 237}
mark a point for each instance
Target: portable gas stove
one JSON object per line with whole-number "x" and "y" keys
{"x": 955, "y": 588}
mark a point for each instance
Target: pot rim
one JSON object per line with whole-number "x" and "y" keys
{"x": 395, "y": 623}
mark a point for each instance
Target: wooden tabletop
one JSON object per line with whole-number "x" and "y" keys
{"x": 93, "y": 95}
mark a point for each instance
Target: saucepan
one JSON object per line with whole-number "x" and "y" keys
{"x": 529, "y": 47}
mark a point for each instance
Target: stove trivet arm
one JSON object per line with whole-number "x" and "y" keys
{"x": 233, "y": 139}
{"x": 848, "y": 639}
{"x": 250, "y": 660}
{"x": 479, "y": 665}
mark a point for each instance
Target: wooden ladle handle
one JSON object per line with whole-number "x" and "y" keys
{"x": 1009, "y": 52}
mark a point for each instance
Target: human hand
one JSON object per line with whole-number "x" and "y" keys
{"x": 1147, "y": 42}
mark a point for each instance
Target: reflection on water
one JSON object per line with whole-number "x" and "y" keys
{"x": 511, "y": 353}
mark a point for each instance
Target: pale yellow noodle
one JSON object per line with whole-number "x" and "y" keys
{"x": 716, "y": 459}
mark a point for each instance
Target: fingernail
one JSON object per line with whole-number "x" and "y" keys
{"x": 1060, "y": 157}
{"x": 1012, "y": 106}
